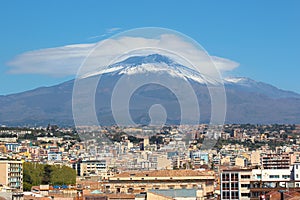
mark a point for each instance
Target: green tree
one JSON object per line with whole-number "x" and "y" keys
{"x": 47, "y": 174}
{"x": 36, "y": 174}
{"x": 62, "y": 175}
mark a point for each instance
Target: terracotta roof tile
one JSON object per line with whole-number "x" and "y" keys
{"x": 165, "y": 173}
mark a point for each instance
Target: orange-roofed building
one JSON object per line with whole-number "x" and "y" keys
{"x": 135, "y": 182}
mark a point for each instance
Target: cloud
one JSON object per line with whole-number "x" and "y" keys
{"x": 66, "y": 60}
{"x": 59, "y": 61}
{"x": 224, "y": 64}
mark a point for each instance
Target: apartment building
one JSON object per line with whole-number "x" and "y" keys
{"x": 93, "y": 167}
{"x": 235, "y": 184}
{"x": 276, "y": 161}
{"x": 254, "y": 184}
{"x": 12, "y": 174}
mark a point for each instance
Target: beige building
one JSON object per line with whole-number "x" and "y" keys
{"x": 255, "y": 158}
{"x": 163, "y": 163}
{"x": 240, "y": 162}
{"x": 12, "y": 174}
{"x": 225, "y": 160}
{"x": 93, "y": 167}
{"x": 141, "y": 181}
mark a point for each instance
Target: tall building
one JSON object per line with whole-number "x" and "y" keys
{"x": 11, "y": 174}
{"x": 235, "y": 184}
{"x": 276, "y": 161}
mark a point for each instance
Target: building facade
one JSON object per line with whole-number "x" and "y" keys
{"x": 235, "y": 184}
{"x": 11, "y": 174}
{"x": 142, "y": 181}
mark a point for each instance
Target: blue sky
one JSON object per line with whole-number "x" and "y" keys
{"x": 262, "y": 36}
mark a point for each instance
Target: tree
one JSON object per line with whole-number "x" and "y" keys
{"x": 62, "y": 175}
{"x": 47, "y": 174}
{"x": 36, "y": 174}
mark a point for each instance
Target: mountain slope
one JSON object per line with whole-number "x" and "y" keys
{"x": 248, "y": 101}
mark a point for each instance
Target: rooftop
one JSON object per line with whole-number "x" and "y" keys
{"x": 165, "y": 173}
{"x": 176, "y": 193}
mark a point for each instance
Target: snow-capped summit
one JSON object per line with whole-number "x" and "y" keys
{"x": 238, "y": 80}
{"x": 158, "y": 64}
{"x": 162, "y": 65}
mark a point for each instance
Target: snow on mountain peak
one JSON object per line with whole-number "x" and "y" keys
{"x": 155, "y": 63}
{"x": 236, "y": 80}
{"x": 241, "y": 81}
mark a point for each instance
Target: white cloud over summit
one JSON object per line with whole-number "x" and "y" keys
{"x": 66, "y": 60}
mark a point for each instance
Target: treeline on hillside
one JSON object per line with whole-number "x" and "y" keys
{"x": 35, "y": 174}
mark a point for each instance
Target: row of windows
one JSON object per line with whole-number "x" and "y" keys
{"x": 258, "y": 176}
{"x": 245, "y": 194}
{"x": 226, "y": 195}
{"x": 245, "y": 176}
{"x": 233, "y": 186}
{"x": 274, "y": 176}
{"x": 277, "y": 176}
{"x": 131, "y": 190}
{"x": 232, "y": 176}
{"x": 245, "y": 186}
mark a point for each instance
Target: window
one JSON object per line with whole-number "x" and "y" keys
{"x": 245, "y": 186}
{"x": 234, "y": 176}
{"x": 234, "y": 186}
{"x": 274, "y": 176}
{"x": 297, "y": 176}
{"x": 234, "y": 195}
{"x": 245, "y": 176}
{"x": 225, "y": 177}
{"x": 258, "y": 176}
{"x": 225, "y": 186}
{"x": 245, "y": 195}
{"x": 226, "y": 195}
{"x": 285, "y": 176}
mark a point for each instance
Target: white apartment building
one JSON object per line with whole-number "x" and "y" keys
{"x": 242, "y": 183}
{"x": 235, "y": 184}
